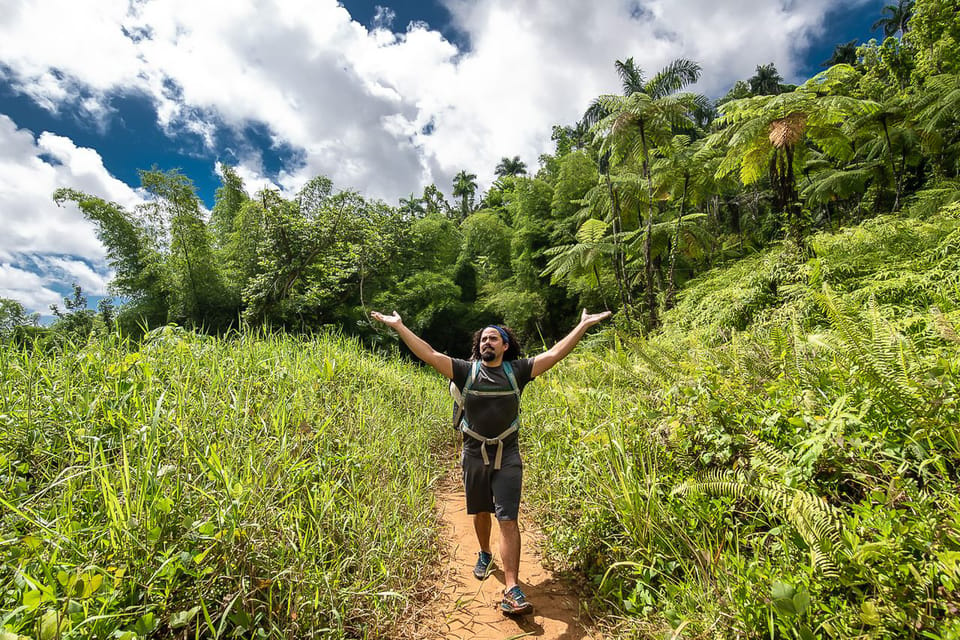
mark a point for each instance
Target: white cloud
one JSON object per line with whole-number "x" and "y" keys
{"x": 60, "y": 270}
{"x": 356, "y": 101}
{"x": 383, "y": 17}
{"x": 41, "y": 241}
{"x": 27, "y": 288}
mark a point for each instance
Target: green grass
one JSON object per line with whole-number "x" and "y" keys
{"x": 244, "y": 487}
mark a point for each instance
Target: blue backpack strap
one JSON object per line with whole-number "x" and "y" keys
{"x": 459, "y": 398}
{"x": 508, "y": 369}
{"x": 474, "y": 372}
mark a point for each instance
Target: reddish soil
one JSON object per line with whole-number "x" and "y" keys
{"x": 465, "y": 607}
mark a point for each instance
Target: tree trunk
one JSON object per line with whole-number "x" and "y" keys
{"x": 651, "y": 294}
{"x": 618, "y": 275}
{"x": 672, "y": 283}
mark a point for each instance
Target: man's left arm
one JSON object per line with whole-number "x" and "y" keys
{"x": 559, "y": 351}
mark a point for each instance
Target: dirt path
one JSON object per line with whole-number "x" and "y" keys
{"x": 467, "y": 608}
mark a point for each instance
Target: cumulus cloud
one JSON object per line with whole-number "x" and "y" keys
{"x": 43, "y": 244}
{"x": 383, "y": 17}
{"x": 383, "y": 112}
{"x": 27, "y": 288}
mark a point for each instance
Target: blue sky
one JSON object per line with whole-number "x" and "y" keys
{"x": 383, "y": 98}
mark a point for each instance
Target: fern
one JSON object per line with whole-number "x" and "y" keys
{"x": 816, "y": 521}
{"x": 875, "y": 351}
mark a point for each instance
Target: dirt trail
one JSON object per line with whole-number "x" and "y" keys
{"x": 467, "y": 608}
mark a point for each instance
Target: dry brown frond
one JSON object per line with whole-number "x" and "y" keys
{"x": 944, "y": 327}
{"x": 787, "y": 131}
{"x": 624, "y": 120}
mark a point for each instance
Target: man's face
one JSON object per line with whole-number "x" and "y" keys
{"x": 492, "y": 345}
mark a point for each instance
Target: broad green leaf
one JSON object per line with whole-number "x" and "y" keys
{"x": 31, "y": 599}
{"x": 183, "y": 618}
{"x": 52, "y": 626}
{"x": 91, "y": 584}
{"x": 869, "y": 614}
{"x": 782, "y": 595}
{"x": 146, "y": 624}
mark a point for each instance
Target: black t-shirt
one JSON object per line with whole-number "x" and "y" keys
{"x": 491, "y": 416}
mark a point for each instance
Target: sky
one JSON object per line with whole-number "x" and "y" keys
{"x": 382, "y": 97}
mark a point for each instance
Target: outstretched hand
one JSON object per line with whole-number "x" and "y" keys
{"x": 591, "y": 319}
{"x": 392, "y": 321}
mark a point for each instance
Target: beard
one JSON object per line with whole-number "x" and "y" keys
{"x": 487, "y": 355}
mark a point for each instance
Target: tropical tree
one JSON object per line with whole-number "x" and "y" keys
{"x": 198, "y": 296}
{"x": 636, "y": 123}
{"x": 896, "y": 18}
{"x": 937, "y": 109}
{"x": 887, "y": 136}
{"x": 13, "y": 315}
{"x": 679, "y": 177}
{"x": 845, "y": 53}
{"x": 511, "y": 167}
{"x": 411, "y": 207}
{"x": 767, "y": 134}
{"x": 464, "y": 187}
{"x": 583, "y": 258}
{"x": 766, "y": 81}
{"x": 434, "y": 202}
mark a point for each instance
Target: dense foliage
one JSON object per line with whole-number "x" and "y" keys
{"x": 783, "y": 460}
{"x": 652, "y": 187}
{"x": 765, "y": 445}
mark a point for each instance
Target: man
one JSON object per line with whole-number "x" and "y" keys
{"x": 492, "y": 470}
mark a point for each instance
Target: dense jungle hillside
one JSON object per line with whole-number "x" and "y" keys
{"x": 763, "y": 443}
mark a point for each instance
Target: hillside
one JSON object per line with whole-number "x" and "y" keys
{"x": 781, "y": 460}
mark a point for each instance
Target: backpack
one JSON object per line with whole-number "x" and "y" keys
{"x": 460, "y": 420}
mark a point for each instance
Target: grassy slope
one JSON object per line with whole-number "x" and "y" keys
{"x": 268, "y": 486}
{"x": 782, "y": 458}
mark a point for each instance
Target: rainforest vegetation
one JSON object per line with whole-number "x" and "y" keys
{"x": 764, "y": 444}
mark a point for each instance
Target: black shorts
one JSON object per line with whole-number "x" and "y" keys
{"x": 489, "y": 490}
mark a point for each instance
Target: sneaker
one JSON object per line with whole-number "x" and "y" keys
{"x": 484, "y": 566}
{"x": 514, "y": 603}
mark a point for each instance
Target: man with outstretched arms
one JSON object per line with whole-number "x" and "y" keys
{"x": 491, "y": 383}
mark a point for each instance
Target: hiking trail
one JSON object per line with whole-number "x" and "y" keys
{"x": 465, "y": 607}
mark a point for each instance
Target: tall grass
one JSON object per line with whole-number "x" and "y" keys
{"x": 257, "y": 486}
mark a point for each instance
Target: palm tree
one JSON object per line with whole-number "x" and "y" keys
{"x": 634, "y": 124}
{"x": 766, "y": 81}
{"x": 412, "y": 206}
{"x": 464, "y": 187}
{"x": 511, "y": 167}
{"x": 845, "y": 53}
{"x": 895, "y": 19}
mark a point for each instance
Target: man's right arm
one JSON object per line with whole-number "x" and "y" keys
{"x": 441, "y": 362}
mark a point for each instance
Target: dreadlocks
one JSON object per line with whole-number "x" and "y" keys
{"x": 513, "y": 349}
